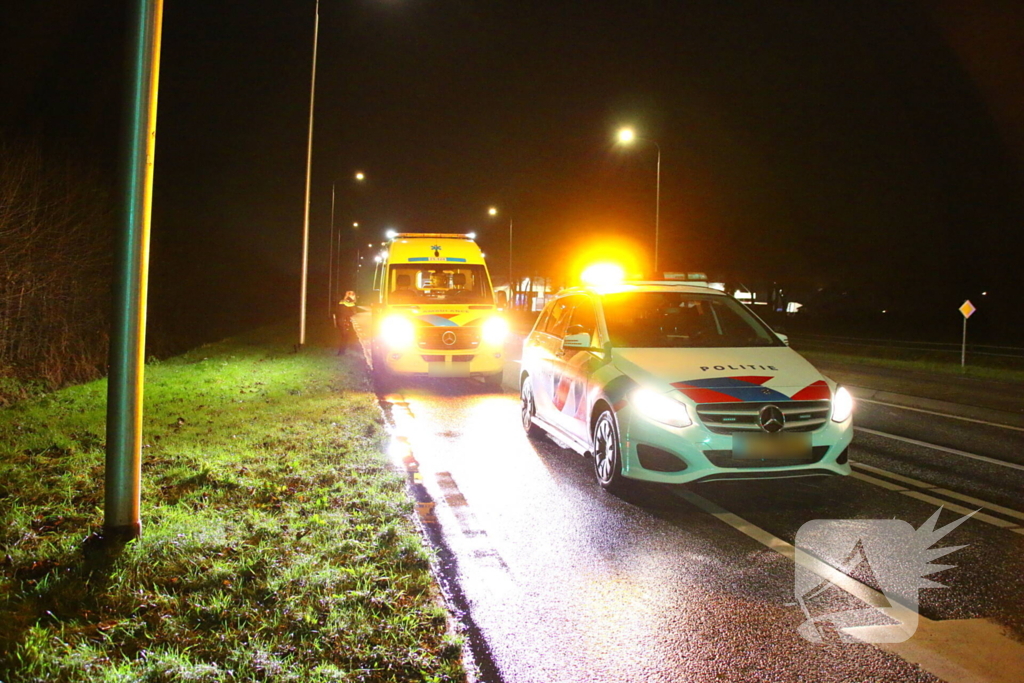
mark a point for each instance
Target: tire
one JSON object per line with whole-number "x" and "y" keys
{"x": 528, "y": 409}
{"x": 493, "y": 382}
{"x": 608, "y": 454}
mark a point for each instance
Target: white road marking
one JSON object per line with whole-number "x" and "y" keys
{"x": 980, "y": 516}
{"x": 878, "y": 482}
{"x": 892, "y": 475}
{"x": 933, "y": 412}
{"x": 954, "y": 451}
{"x": 980, "y": 503}
{"x": 956, "y": 651}
{"x": 932, "y": 488}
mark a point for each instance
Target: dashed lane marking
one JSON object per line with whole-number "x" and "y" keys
{"x": 933, "y": 412}
{"x": 944, "y": 449}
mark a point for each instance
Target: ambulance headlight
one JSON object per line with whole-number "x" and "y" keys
{"x": 495, "y": 330}
{"x": 397, "y": 331}
{"x": 660, "y": 408}
{"x": 842, "y": 405}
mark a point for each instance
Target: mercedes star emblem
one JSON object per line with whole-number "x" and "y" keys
{"x": 772, "y": 420}
{"x": 448, "y": 338}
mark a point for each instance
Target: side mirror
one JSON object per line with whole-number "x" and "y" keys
{"x": 501, "y": 300}
{"x": 783, "y": 337}
{"x": 576, "y": 341}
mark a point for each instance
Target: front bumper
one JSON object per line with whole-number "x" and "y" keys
{"x": 649, "y": 448}
{"x": 484, "y": 360}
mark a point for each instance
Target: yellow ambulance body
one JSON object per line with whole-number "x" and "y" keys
{"x": 436, "y": 315}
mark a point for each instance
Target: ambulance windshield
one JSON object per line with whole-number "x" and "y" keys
{"x": 438, "y": 284}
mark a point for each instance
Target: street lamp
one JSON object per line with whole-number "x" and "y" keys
{"x": 493, "y": 211}
{"x": 627, "y": 136}
{"x": 332, "y": 282}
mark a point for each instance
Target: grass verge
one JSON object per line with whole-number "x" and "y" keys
{"x": 1003, "y": 374}
{"x": 277, "y": 541}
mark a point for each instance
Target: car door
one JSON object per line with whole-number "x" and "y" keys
{"x": 545, "y": 344}
{"x": 574, "y": 367}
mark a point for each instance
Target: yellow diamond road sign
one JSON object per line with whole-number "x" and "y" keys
{"x": 967, "y": 309}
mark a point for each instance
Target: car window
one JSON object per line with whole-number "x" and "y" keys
{"x": 677, "y": 319}
{"x": 584, "y": 315}
{"x": 543, "y": 319}
{"x": 558, "y": 318}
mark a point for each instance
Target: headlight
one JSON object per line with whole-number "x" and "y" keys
{"x": 495, "y": 330}
{"x": 397, "y": 331}
{"x": 660, "y": 408}
{"x": 842, "y": 405}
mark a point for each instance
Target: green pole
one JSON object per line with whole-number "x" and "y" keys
{"x": 121, "y": 518}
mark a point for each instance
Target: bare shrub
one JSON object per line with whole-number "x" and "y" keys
{"x": 55, "y": 240}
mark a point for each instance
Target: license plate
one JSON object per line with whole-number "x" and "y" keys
{"x": 772, "y": 447}
{"x": 453, "y": 370}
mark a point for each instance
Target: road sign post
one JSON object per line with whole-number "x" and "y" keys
{"x": 967, "y": 309}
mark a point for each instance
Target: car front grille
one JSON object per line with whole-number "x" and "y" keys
{"x": 432, "y": 338}
{"x": 743, "y": 418}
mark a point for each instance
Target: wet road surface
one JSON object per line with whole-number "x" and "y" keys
{"x": 559, "y": 580}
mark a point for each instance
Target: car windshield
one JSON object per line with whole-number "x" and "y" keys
{"x": 439, "y": 284}
{"x": 676, "y": 319}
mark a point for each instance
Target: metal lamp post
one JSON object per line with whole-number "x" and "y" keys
{"x": 309, "y": 168}
{"x": 627, "y": 136}
{"x": 493, "y": 211}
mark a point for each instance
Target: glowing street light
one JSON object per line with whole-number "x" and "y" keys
{"x": 391, "y": 233}
{"x": 360, "y": 176}
{"x": 627, "y": 136}
{"x": 493, "y": 211}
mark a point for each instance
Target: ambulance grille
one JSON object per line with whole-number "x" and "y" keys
{"x": 431, "y": 338}
{"x": 741, "y": 418}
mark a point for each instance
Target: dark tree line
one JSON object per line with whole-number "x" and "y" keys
{"x": 56, "y": 226}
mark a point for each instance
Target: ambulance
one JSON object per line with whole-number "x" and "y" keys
{"x": 437, "y": 315}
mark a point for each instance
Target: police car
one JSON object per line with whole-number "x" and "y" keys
{"x": 675, "y": 383}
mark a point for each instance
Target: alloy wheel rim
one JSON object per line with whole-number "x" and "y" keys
{"x": 527, "y": 409}
{"x": 603, "y": 451}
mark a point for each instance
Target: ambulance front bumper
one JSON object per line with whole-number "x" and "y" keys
{"x": 485, "y": 360}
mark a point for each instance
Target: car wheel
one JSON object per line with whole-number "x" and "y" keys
{"x": 607, "y": 453}
{"x": 529, "y": 408}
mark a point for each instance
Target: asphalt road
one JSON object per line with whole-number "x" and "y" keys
{"x": 555, "y": 579}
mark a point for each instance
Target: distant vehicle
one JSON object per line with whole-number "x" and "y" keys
{"x": 674, "y": 383}
{"x": 437, "y": 315}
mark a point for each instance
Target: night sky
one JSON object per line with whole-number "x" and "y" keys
{"x": 868, "y": 147}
